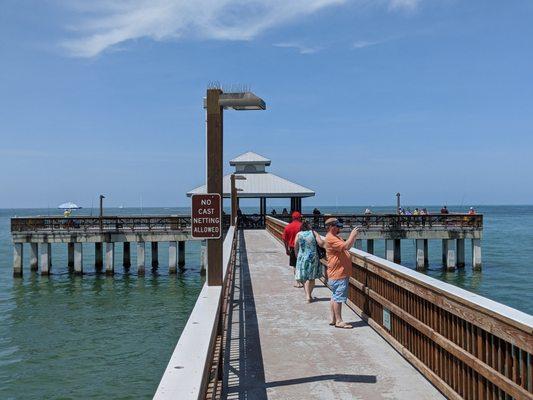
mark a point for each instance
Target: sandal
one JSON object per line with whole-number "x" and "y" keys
{"x": 332, "y": 323}
{"x": 343, "y": 325}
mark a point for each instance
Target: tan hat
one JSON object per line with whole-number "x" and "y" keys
{"x": 334, "y": 221}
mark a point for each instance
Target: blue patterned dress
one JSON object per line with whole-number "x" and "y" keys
{"x": 307, "y": 263}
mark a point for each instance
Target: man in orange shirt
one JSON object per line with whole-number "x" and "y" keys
{"x": 289, "y": 234}
{"x": 339, "y": 268}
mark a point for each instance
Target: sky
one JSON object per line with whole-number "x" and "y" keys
{"x": 433, "y": 99}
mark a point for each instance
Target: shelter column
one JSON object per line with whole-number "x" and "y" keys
{"x": 18, "y": 255}
{"x": 109, "y": 258}
{"x": 476, "y": 253}
{"x": 172, "y": 257}
{"x": 141, "y": 257}
{"x": 460, "y": 253}
{"x": 78, "y": 258}
{"x": 181, "y": 253}
{"x": 126, "y": 255}
{"x": 98, "y": 257}
{"x": 370, "y": 246}
{"x": 34, "y": 256}
{"x": 46, "y": 258}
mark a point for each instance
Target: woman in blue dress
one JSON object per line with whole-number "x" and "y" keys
{"x": 307, "y": 262}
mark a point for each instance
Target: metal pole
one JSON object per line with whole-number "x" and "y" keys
{"x": 233, "y": 200}
{"x": 102, "y": 197}
{"x": 214, "y": 179}
{"x": 398, "y": 203}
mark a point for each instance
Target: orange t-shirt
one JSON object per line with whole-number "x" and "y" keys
{"x": 339, "y": 260}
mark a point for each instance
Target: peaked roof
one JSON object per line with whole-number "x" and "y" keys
{"x": 250, "y": 158}
{"x": 261, "y": 185}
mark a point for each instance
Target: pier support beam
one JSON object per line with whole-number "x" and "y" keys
{"x": 421, "y": 253}
{"x": 141, "y": 258}
{"x": 70, "y": 255}
{"x": 78, "y": 258}
{"x": 155, "y": 255}
{"x": 46, "y": 258}
{"x": 181, "y": 254}
{"x": 98, "y": 257}
{"x": 172, "y": 257}
{"x": 18, "y": 255}
{"x": 450, "y": 258}
{"x": 393, "y": 250}
{"x": 460, "y": 253}
{"x": 476, "y": 254}
{"x": 358, "y": 244}
{"x": 109, "y": 258}
{"x": 126, "y": 256}
{"x": 370, "y": 246}
{"x": 34, "y": 256}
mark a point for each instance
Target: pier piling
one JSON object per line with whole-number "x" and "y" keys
{"x": 34, "y": 256}
{"x": 155, "y": 255}
{"x": 450, "y": 254}
{"x": 421, "y": 254}
{"x": 126, "y": 255}
{"x": 172, "y": 257}
{"x": 460, "y": 244}
{"x": 358, "y": 244}
{"x": 476, "y": 254}
{"x": 141, "y": 257}
{"x": 46, "y": 258}
{"x": 181, "y": 254}
{"x": 109, "y": 258}
{"x": 78, "y": 258}
{"x": 393, "y": 250}
{"x": 18, "y": 252}
{"x": 370, "y": 246}
{"x": 70, "y": 255}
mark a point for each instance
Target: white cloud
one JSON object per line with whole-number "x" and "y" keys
{"x": 361, "y": 44}
{"x": 104, "y": 23}
{"x": 301, "y": 48}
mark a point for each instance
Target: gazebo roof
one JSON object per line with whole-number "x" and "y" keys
{"x": 259, "y": 183}
{"x": 249, "y": 158}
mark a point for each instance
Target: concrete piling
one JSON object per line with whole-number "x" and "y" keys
{"x": 450, "y": 255}
{"x": 393, "y": 250}
{"x": 370, "y": 246}
{"x": 460, "y": 244}
{"x": 46, "y": 258}
{"x": 172, "y": 257}
{"x": 78, "y": 258}
{"x": 421, "y": 254}
{"x": 358, "y": 244}
{"x": 34, "y": 256}
{"x": 70, "y": 255}
{"x": 476, "y": 254}
{"x": 18, "y": 255}
{"x": 141, "y": 258}
{"x": 109, "y": 258}
{"x": 98, "y": 257}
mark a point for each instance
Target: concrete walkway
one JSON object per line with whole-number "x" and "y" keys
{"x": 281, "y": 347}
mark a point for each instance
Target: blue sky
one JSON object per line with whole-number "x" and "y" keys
{"x": 365, "y": 98}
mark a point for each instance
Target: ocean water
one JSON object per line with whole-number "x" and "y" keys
{"x": 98, "y": 337}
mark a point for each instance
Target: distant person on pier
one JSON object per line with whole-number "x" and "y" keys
{"x": 289, "y": 234}
{"x": 284, "y": 212}
{"x": 274, "y": 212}
{"x": 307, "y": 258}
{"x": 408, "y": 212}
{"x": 444, "y": 210}
{"x": 416, "y": 211}
{"x": 368, "y": 211}
{"x": 316, "y": 217}
{"x": 424, "y": 211}
{"x": 67, "y": 213}
{"x": 339, "y": 267}
{"x": 471, "y": 211}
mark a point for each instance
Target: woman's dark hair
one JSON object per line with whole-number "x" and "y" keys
{"x": 305, "y": 226}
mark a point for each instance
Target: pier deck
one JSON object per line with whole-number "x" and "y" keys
{"x": 280, "y": 347}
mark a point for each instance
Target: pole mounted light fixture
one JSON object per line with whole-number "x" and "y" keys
{"x": 215, "y": 102}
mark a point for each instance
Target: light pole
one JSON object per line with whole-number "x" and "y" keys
{"x": 102, "y": 197}
{"x": 234, "y": 199}
{"x": 398, "y": 202}
{"x": 215, "y": 103}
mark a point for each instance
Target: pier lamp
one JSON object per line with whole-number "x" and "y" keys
{"x": 234, "y": 201}
{"x": 215, "y": 102}
{"x": 102, "y": 197}
{"x": 398, "y": 203}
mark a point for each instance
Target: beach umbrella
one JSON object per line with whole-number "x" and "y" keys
{"x": 68, "y": 206}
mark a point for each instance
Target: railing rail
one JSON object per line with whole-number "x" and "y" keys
{"x": 195, "y": 367}
{"x": 468, "y": 346}
{"x": 395, "y": 221}
{"x": 88, "y": 224}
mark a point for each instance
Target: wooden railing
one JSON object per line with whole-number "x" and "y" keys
{"x": 396, "y": 222}
{"x": 468, "y": 346}
{"x": 86, "y": 224}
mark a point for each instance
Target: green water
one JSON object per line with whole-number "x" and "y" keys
{"x": 98, "y": 337}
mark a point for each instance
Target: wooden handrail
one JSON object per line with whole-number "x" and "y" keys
{"x": 467, "y": 345}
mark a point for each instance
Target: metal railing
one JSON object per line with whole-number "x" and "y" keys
{"x": 86, "y": 224}
{"x": 468, "y": 346}
{"x": 395, "y": 221}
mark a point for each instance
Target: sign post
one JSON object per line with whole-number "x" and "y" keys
{"x": 206, "y": 216}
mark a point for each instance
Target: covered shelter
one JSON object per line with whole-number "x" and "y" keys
{"x": 259, "y": 183}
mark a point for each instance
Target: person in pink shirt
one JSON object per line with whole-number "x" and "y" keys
{"x": 289, "y": 234}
